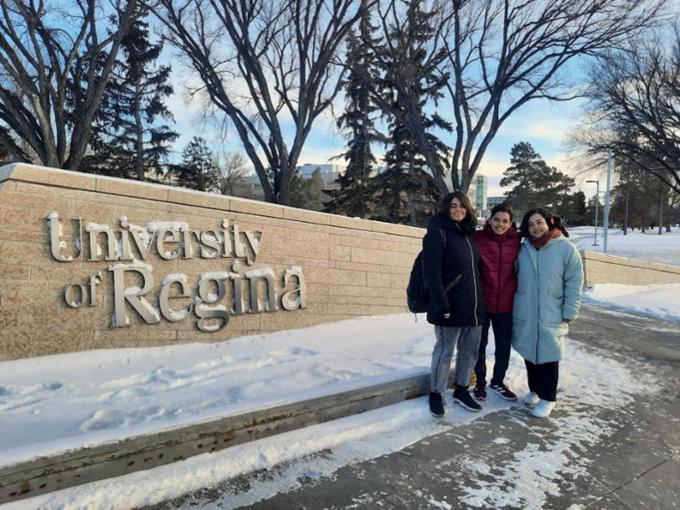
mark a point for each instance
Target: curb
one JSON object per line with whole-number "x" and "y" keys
{"x": 85, "y": 465}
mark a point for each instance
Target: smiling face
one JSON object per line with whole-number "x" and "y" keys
{"x": 537, "y": 226}
{"x": 457, "y": 211}
{"x": 500, "y": 223}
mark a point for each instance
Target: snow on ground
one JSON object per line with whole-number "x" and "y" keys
{"x": 664, "y": 248}
{"x": 58, "y": 402}
{"x": 661, "y": 301}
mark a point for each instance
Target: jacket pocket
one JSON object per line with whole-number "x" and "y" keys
{"x": 453, "y": 283}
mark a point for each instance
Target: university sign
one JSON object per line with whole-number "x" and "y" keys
{"x": 210, "y": 298}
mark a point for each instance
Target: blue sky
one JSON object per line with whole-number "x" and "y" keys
{"x": 542, "y": 123}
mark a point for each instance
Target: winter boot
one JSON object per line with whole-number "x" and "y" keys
{"x": 531, "y": 398}
{"x": 436, "y": 404}
{"x": 543, "y": 409}
{"x": 462, "y": 397}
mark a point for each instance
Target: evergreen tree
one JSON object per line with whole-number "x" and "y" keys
{"x": 354, "y": 196}
{"x": 405, "y": 191}
{"x": 198, "y": 169}
{"x": 130, "y": 141}
{"x": 536, "y": 184}
{"x": 307, "y": 193}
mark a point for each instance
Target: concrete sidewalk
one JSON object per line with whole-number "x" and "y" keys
{"x": 508, "y": 459}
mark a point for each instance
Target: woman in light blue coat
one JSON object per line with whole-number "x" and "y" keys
{"x": 548, "y": 297}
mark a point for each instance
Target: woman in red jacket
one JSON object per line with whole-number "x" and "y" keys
{"x": 498, "y": 244}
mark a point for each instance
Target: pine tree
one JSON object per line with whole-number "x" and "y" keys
{"x": 536, "y": 184}
{"x": 354, "y": 196}
{"x": 198, "y": 169}
{"x": 131, "y": 142}
{"x": 405, "y": 191}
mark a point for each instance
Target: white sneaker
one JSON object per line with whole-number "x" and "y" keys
{"x": 543, "y": 409}
{"x": 531, "y": 398}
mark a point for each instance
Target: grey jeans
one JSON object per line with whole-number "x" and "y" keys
{"x": 467, "y": 339}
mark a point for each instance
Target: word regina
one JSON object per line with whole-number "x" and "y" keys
{"x": 251, "y": 291}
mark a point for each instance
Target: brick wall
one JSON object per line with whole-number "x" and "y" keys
{"x": 351, "y": 267}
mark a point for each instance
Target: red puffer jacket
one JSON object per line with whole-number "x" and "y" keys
{"x": 496, "y": 265}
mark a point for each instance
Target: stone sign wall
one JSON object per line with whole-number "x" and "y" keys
{"x": 91, "y": 262}
{"x": 601, "y": 268}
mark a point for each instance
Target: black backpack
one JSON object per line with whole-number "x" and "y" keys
{"x": 416, "y": 292}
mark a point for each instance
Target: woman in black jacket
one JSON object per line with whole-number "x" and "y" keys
{"x": 456, "y": 306}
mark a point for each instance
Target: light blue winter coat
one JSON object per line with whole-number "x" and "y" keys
{"x": 548, "y": 292}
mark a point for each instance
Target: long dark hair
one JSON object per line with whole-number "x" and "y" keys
{"x": 553, "y": 222}
{"x": 470, "y": 219}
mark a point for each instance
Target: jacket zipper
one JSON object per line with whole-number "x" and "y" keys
{"x": 474, "y": 278}
{"x": 500, "y": 265}
{"x": 453, "y": 283}
{"x": 538, "y": 313}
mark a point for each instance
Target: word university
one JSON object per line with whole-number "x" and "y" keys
{"x": 217, "y": 294}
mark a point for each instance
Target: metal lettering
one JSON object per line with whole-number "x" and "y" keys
{"x": 239, "y": 247}
{"x": 254, "y": 242}
{"x": 70, "y": 300}
{"x": 226, "y": 240}
{"x": 206, "y": 298}
{"x": 164, "y": 298}
{"x": 297, "y": 297}
{"x": 132, "y": 295}
{"x": 187, "y": 249}
{"x": 161, "y": 240}
{"x": 143, "y": 240}
{"x": 210, "y": 239}
{"x": 95, "y": 280}
{"x": 254, "y": 276}
{"x": 57, "y": 244}
{"x": 94, "y": 231}
{"x": 237, "y": 307}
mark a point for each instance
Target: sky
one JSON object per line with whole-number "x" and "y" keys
{"x": 542, "y": 123}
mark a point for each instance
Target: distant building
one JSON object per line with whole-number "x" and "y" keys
{"x": 329, "y": 173}
{"x": 478, "y": 194}
{"x": 250, "y": 187}
{"x": 494, "y": 201}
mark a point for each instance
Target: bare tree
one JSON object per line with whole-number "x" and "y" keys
{"x": 232, "y": 167}
{"x": 54, "y": 65}
{"x": 505, "y": 53}
{"x": 265, "y": 64}
{"x": 635, "y": 109}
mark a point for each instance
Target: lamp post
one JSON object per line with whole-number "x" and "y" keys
{"x": 607, "y": 196}
{"x": 597, "y": 205}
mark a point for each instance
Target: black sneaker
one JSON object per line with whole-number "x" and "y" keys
{"x": 504, "y": 392}
{"x": 480, "y": 392}
{"x": 462, "y": 396}
{"x": 436, "y": 404}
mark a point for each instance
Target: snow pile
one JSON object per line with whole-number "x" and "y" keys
{"x": 664, "y": 249}
{"x": 93, "y": 397}
{"x": 86, "y": 398}
{"x": 661, "y": 301}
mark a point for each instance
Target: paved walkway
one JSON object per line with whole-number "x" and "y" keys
{"x": 634, "y": 465}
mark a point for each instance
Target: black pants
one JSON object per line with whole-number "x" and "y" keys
{"x": 543, "y": 379}
{"x": 502, "y": 332}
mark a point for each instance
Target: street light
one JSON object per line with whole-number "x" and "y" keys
{"x": 597, "y": 206}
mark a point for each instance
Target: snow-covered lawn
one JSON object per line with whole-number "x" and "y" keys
{"x": 650, "y": 246}
{"x": 53, "y": 403}
{"x": 662, "y": 301}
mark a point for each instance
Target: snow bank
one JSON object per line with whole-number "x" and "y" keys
{"x": 661, "y": 301}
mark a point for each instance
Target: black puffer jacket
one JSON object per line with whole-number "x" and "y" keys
{"x": 452, "y": 274}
